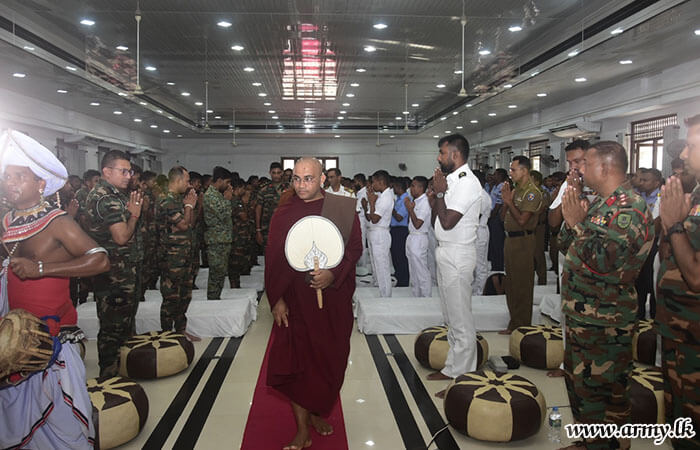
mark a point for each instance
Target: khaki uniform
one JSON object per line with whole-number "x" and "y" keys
{"x": 519, "y": 255}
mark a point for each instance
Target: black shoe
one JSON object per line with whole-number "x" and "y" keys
{"x": 194, "y": 287}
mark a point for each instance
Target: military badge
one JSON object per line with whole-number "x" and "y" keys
{"x": 624, "y": 220}
{"x": 530, "y": 197}
{"x": 695, "y": 211}
{"x": 462, "y": 174}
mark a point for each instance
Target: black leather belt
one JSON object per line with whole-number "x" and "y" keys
{"x": 519, "y": 233}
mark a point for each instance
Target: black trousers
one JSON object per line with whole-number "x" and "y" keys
{"x": 398, "y": 254}
{"x": 497, "y": 239}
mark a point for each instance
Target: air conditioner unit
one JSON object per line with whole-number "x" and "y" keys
{"x": 579, "y": 129}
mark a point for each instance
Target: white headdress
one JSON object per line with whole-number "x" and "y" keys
{"x": 18, "y": 149}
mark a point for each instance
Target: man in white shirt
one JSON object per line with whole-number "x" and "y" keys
{"x": 334, "y": 179}
{"x": 456, "y": 203}
{"x": 481, "y": 272}
{"x": 378, "y": 210}
{"x": 417, "y": 240}
{"x": 360, "y": 183}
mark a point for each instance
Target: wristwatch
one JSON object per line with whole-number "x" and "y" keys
{"x": 440, "y": 195}
{"x": 676, "y": 228}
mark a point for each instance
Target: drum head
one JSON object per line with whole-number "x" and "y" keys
{"x": 314, "y": 236}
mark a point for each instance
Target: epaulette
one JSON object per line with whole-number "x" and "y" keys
{"x": 462, "y": 174}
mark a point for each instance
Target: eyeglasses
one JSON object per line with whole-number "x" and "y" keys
{"x": 307, "y": 179}
{"x": 124, "y": 172}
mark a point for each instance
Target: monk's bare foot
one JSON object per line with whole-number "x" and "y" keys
{"x": 505, "y": 332}
{"x": 441, "y": 394}
{"x": 555, "y": 373}
{"x": 301, "y": 440}
{"x": 192, "y": 337}
{"x": 438, "y": 376}
{"x": 320, "y": 425}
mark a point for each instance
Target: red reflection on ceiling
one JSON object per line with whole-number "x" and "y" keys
{"x": 309, "y": 67}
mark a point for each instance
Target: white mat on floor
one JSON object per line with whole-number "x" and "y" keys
{"x": 551, "y": 306}
{"x": 405, "y": 292}
{"x": 256, "y": 279}
{"x": 402, "y": 315}
{"x": 201, "y": 295}
{"x": 213, "y": 318}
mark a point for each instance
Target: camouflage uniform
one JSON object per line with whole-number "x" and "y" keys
{"x": 217, "y": 216}
{"x": 84, "y": 283}
{"x": 140, "y": 252}
{"x": 175, "y": 256}
{"x": 115, "y": 290}
{"x": 604, "y": 255}
{"x": 253, "y": 248}
{"x": 678, "y": 321}
{"x": 269, "y": 197}
{"x": 150, "y": 243}
{"x": 197, "y": 237}
{"x": 238, "y": 258}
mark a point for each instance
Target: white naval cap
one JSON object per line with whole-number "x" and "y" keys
{"x": 18, "y": 149}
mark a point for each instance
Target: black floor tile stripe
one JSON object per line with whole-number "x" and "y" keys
{"x": 161, "y": 432}
{"x": 408, "y": 428}
{"x": 198, "y": 417}
{"x": 426, "y": 406}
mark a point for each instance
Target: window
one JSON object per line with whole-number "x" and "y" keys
{"x": 535, "y": 151}
{"x": 329, "y": 162}
{"x": 647, "y": 143}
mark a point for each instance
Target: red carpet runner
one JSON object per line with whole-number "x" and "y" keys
{"x": 271, "y": 422}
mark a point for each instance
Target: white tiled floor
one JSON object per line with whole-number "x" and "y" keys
{"x": 368, "y": 416}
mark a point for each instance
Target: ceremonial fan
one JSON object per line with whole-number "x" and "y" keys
{"x": 313, "y": 243}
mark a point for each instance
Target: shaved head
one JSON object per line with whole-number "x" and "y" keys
{"x": 314, "y": 163}
{"x": 308, "y": 178}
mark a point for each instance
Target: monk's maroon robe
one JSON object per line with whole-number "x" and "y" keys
{"x": 308, "y": 359}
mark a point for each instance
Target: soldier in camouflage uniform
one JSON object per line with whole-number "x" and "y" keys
{"x": 607, "y": 244}
{"x": 197, "y": 227}
{"x": 90, "y": 177}
{"x": 217, "y": 216}
{"x": 206, "y": 182}
{"x": 239, "y": 259}
{"x": 249, "y": 201}
{"x": 112, "y": 221}
{"x": 678, "y": 299}
{"x": 268, "y": 198}
{"x": 150, "y": 235}
{"x": 175, "y": 219}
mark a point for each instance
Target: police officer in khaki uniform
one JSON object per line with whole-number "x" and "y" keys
{"x": 520, "y": 221}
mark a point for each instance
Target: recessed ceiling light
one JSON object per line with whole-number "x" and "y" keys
{"x": 346, "y": 104}
{"x": 473, "y": 121}
{"x": 361, "y": 70}
{"x": 697, "y": 33}
{"x": 512, "y": 106}
{"x": 308, "y": 125}
{"x": 405, "y": 113}
{"x": 415, "y": 105}
{"x": 469, "y": 105}
{"x": 154, "y": 126}
{"x": 71, "y": 68}
{"x": 224, "y": 24}
{"x": 440, "y": 86}
{"x": 143, "y": 103}
{"x": 459, "y": 127}
{"x": 351, "y": 95}
{"x": 257, "y": 84}
{"x": 310, "y": 102}
{"x": 448, "y": 131}
{"x": 248, "y": 69}
{"x": 94, "y": 103}
{"x": 87, "y": 22}
{"x": 398, "y": 118}
{"x": 272, "y": 111}
{"x": 542, "y": 94}
{"x": 443, "y": 118}
{"x": 436, "y": 137}
{"x": 580, "y": 79}
{"x": 138, "y": 120}
{"x": 380, "y": 26}
{"x": 336, "y": 136}
{"x": 170, "y": 83}
{"x": 370, "y": 48}
{"x": 122, "y": 48}
{"x": 170, "y": 117}
{"x": 616, "y": 31}
{"x": 159, "y": 111}
{"x": 458, "y": 72}
{"x": 210, "y": 111}
{"x": 341, "y": 117}
{"x": 484, "y": 52}
{"x": 19, "y": 75}
{"x": 217, "y": 117}
{"x": 198, "y": 103}
{"x": 267, "y": 104}
{"x": 275, "y": 117}
{"x": 573, "y": 53}
{"x": 507, "y": 86}
{"x": 454, "y": 113}
{"x": 355, "y": 84}
{"x": 151, "y": 68}
{"x": 262, "y": 94}
{"x": 626, "y": 61}
{"x": 31, "y": 49}
{"x": 392, "y": 136}
{"x": 237, "y": 47}
{"x": 535, "y": 73}
{"x": 492, "y": 114}
{"x": 61, "y": 91}
{"x": 122, "y": 94}
{"x": 117, "y": 113}
{"x": 166, "y": 131}
{"x": 514, "y": 28}
{"x": 185, "y": 94}
{"x": 179, "y": 135}
{"x": 343, "y": 112}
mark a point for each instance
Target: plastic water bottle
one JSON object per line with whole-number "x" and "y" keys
{"x": 554, "y": 434}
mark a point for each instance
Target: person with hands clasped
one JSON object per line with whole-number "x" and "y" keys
{"x": 378, "y": 211}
